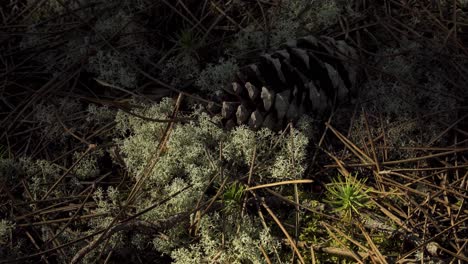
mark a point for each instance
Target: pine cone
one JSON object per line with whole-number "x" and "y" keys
{"x": 308, "y": 75}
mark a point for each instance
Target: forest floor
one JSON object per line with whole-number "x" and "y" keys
{"x": 108, "y": 155}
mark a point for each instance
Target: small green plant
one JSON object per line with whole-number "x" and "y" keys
{"x": 187, "y": 42}
{"x": 310, "y": 230}
{"x": 347, "y": 195}
{"x": 232, "y": 197}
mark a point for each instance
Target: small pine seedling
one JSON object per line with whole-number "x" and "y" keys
{"x": 347, "y": 195}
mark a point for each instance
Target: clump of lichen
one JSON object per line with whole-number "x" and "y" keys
{"x": 193, "y": 157}
{"x": 289, "y": 20}
{"x": 411, "y": 95}
{"x": 228, "y": 239}
{"x": 412, "y": 82}
{"x": 215, "y": 76}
